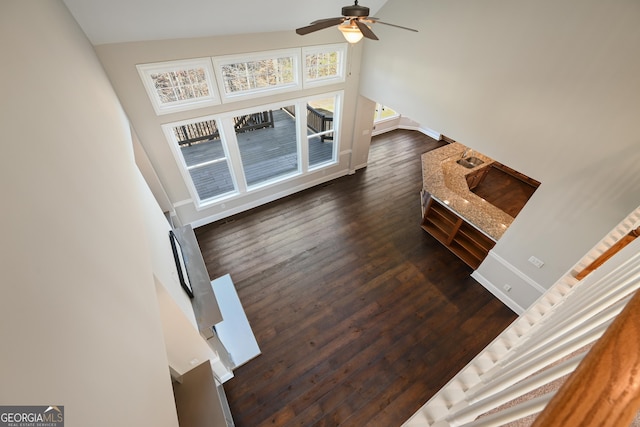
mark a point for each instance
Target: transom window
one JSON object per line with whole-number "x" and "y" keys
{"x": 324, "y": 64}
{"x": 237, "y": 151}
{"x": 179, "y": 85}
{"x": 258, "y": 74}
{"x": 195, "y": 83}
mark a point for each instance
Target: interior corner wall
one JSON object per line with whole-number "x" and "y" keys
{"x": 79, "y": 320}
{"x": 547, "y": 88}
{"x": 185, "y": 347}
{"x": 362, "y": 132}
{"x": 150, "y": 176}
{"x": 159, "y": 248}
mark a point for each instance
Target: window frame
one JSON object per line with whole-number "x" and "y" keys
{"x": 340, "y": 77}
{"x": 220, "y": 61}
{"x": 337, "y": 124}
{"x": 224, "y": 124}
{"x": 377, "y": 117}
{"x": 184, "y": 168}
{"x": 146, "y": 70}
{"x": 228, "y": 117}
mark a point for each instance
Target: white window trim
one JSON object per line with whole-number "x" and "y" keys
{"x": 337, "y": 119}
{"x": 235, "y": 149}
{"x": 341, "y": 48}
{"x": 232, "y": 154}
{"x": 294, "y": 54}
{"x": 378, "y": 115}
{"x": 184, "y": 169}
{"x": 145, "y": 71}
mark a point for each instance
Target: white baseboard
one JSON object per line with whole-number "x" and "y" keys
{"x": 510, "y": 285}
{"x": 225, "y": 378}
{"x": 264, "y": 200}
{"x": 515, "y": 307}
{"x": 271, "y": 197}
{"x": 429, "y": 132}
{"x": 356, "y": 167}
{"x": 506, "y": 264}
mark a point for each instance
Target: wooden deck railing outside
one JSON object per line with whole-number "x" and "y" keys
{"x": 319, "y": 120}
{"x": 196, "y": 132}
{"x": 254, "y": 121}
{"x": 208, "y": 130}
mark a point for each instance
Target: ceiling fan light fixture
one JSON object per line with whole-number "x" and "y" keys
{"x": 351, "y": 32}
{"x": 353, "y": 24}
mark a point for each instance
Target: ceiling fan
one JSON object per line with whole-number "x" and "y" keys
{"x": 353, "y": 24}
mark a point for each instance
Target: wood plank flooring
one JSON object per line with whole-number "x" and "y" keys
{"x": 360, "y": 315}
{"x": 504, "y": 191}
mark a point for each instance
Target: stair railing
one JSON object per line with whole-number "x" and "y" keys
{"x": 520, "y": 372}
{"x": 604, "y": 390}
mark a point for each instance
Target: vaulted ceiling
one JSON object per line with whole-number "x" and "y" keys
{"x": 117, "y": 21}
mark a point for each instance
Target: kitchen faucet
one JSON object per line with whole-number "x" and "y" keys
{"x": 466, "y": 152}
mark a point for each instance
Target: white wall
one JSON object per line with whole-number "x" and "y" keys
{"x": 549, "y": 88}
{"x": 120, "y": 62}
{"x": 185, "y": 347}
{"x": 159, "y": 248}
{"x": 363, "y": 130}
{"x": 150, "y": 177}
{"x": 79, "y": 321}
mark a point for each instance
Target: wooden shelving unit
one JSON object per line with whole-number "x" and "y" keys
{"x": 460, "y": 237}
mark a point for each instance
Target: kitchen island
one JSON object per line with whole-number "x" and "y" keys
{"x": 464, "y": 222}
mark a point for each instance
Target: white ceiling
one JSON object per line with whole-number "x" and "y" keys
{"x": 116, "y": 21}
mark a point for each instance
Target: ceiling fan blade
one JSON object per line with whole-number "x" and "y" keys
{"x": 391, "y": 25}
{"x": 317, "y": 21}
{"x": 365, "y": 30}
{"x": 320, "y": 25}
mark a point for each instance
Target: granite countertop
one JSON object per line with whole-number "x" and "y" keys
{"x": 445, "y": 180}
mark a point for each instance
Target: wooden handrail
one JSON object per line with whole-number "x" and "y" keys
{"x": 609, "y": 253}
{"x": 604, "y": 390}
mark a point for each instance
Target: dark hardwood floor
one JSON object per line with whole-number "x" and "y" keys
{"x": 360, "y": 315}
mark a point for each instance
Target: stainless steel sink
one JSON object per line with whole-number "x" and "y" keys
{"x": 470, "y": 162}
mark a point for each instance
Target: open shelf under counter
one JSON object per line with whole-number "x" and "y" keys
{"x": 462, "y": 238}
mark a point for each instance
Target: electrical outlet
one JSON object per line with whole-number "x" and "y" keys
{"x": 507, "y": 288}
{"x": 535, "y": 261}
